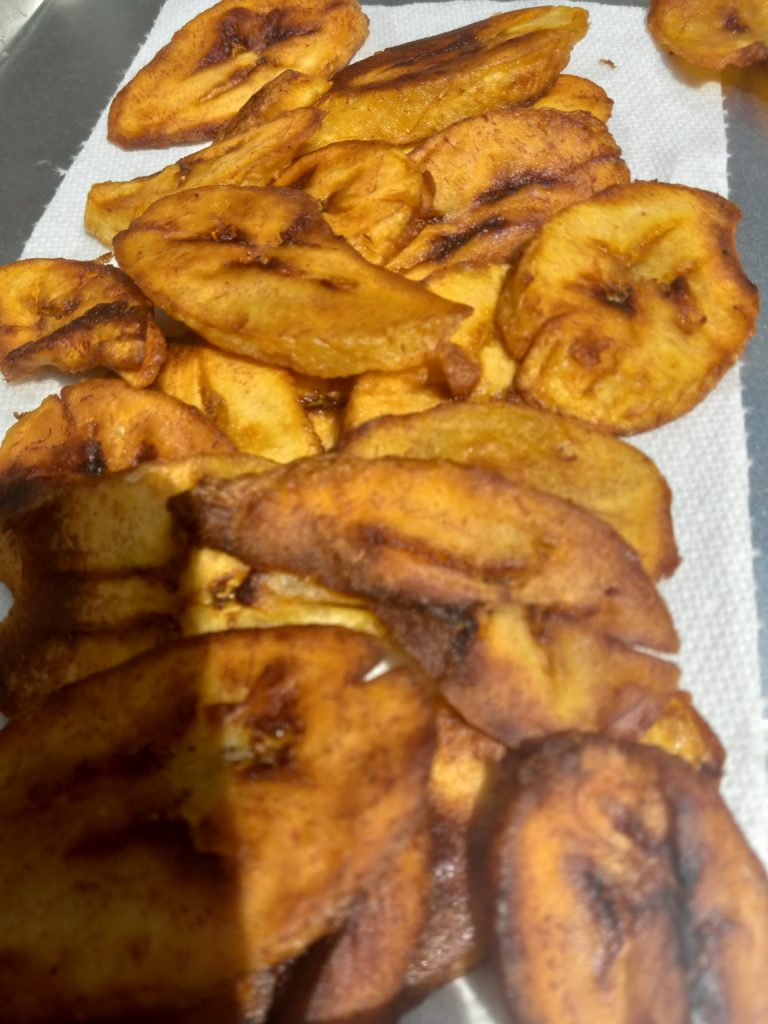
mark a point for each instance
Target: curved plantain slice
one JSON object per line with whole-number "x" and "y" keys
{"x": 290, "y": 90}
{"x": 250, "y": 157}
{"x": 557, "y": 454}
{"x": 101, "y": 574}
{"x": 626, "y": 892}
{"x": 433, "y": 534}
{"x": 218, "y": 60}
{"x": 405, "y": 93}
{"x": 629, "y": 307}
{"x": 502, "y": 174}
{"x": 76, "y": 316}
{"x": 244, "y": 267}
{"x": 159, "y": 807}
{"x": 711, "y": 33}
{"x": 371, "y": 193}
{"x": 570, "y": 93}
{"x": 256, "y": 406}
{"x": 101, "y": 426}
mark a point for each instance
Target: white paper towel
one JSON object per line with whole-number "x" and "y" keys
{"x": 669, "y": 129}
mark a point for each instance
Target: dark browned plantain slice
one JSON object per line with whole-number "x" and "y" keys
{"x": 502, "y": 174}
{"x": 96, "y": 577}
{"x": 207, "y": 811}
{"x": 252, "y": 156}
{"x": 371, "y": 193}
{"x": 558, "y": 454}
{"x": 219, "y": 59}
{"x": 76, "y": 315}
{"x": 245, "y": 267}
{"x": 711, "y": 33}
{"x": 355, "y": 976}
{"x": 405, "y": 93}
{"x": 626, "y": 892}
{"x": 628, "y": 308}
{"x": 101, "y": 426}
{"x": 432, "y": 535}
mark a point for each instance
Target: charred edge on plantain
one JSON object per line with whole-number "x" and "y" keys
{"x": 444, "y": 246}
{"x": 242, "y": 31}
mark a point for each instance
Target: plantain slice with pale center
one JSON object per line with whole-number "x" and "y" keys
{"x": 76, "y": 315}
{"x": 408, "y": 92}
{"x": 208, "y": 811}
{"x": 625, "y": 891}
{"x": 711, "y": 33}
{"x": 218, "y": 60}
{"x": 627, "y": 308}
{"x": 259, "y": 272}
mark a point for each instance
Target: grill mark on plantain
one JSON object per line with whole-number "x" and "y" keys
{"x": 442, "y": 248}
{"x": 241, "y": 31}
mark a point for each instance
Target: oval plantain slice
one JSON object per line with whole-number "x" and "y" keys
{"x": 431, "y": 534}
{"x": 557, "y": 454}
{"x": 252, "y": 156}
{"x": 405, "y": 93}
{"x": 499, "y": 176}
{"x": 208, "y": 811}
{"x": 626, "y": 892}
{"x": 101, "y": 426}
{"x": 371, "y": 193}
{"x": 711, "y": 33}
{"x": 76, "y": 315}
{"x": 218, "y": 60}
{"x": 628, "y": 308}
{"x": 258, "y": 271}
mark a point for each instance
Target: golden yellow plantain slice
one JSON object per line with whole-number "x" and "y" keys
{"x": 256, "y": 406}
{"x": 179, "y": 806}
{"x": 711, "y": 33}
{"x": 76, "y": 315}
{"x": 250, "y": 157}
{"x": 681, "y": 730}
{"x": 428, "y": 533}
{"x": 570, "y": 93}
{"x": 629, "y": 307}
{"x": 626, "y": 892}
{"x": 101, "y": 426}
{"x": 557, "y": 454}
{"x": 218, "y": 60}
{"x": 405, "y": 93}
{"x": 288, "y": 91}
{"x": 371, "y": 193}
{"x": 260, "y": 273}
{"x": 502, "y": 174}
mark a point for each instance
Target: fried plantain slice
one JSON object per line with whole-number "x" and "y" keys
{"x": 256, "y": 406}
{"x": 681, "y": 730}
{"x": 241, "y": 267}
{"x": 371, "y": 193}
{"x": 629, "y": 307}
{"x": 158, "y": 806}
{"x": 516, "y": 672}
{"x": 405, "y": 93}
{"x": 358, "y": 974}
{"x": 218, "y": 60}
{"x": 571, "y": 92}
{"x": 711, "y": 33}
{"x": 434, "y": 534}
{"x": 252, "y": 156}
{"x": 557, "y": 454}
{"x": 97, "y": 572}
{"x": 76, "y": 315}
{"x": 616, "y": 864}
{"x": 502, "y": 174}
{"x": 100, "y": 426}
{"x": 290, "y": 90}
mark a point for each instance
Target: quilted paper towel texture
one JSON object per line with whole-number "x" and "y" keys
{"x": 670, "y": 129}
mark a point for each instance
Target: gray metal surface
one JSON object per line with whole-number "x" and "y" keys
{"x": 62, "y": 67}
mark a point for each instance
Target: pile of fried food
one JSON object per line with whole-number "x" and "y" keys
{"x": 336, "y": 664}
